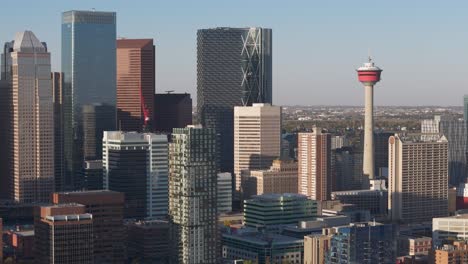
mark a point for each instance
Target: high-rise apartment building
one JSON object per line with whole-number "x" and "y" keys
{"x": 31, "y": 120}
{"x": 281, "y": 177}
{"x": 454, "y": 253}
{"x": 365, "y": 243}
{"x": 135, "y": 83}
{"x": 106, "y": 207}
{"x": 89, "y": 68}
{"x": 172, "y": 111}
{"x": 63, "y": 234}
{"x": 224, "y": 192}
{"x": 192, "y": 195}
{"x": 257, "y": 138}
{"x": 234, "y": 68}
{"x": 136, "y": 164}
{"x": 314, "y": 163}
{"x": 418, "y": 178}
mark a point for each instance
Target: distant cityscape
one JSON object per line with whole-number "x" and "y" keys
{"x": 99, "y": 166}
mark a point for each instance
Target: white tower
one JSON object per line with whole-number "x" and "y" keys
{"x": 369, "y": 75}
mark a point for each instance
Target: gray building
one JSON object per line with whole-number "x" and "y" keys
{"x": 193, "y": 169}
{"x": 234, "y": 68}
{"x": 456, "y": 133}
{"x": 465, "y": 107}
{"x": 89, "y": 67}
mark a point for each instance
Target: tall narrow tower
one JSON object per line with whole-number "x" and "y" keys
{"x": 369, "y": 75}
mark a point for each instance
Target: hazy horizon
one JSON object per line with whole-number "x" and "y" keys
{"x": 421, "y": 46}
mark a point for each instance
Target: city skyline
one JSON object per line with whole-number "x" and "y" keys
{"x": 408, "y": 41}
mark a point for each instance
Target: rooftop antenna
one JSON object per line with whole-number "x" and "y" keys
{"x": 369, "y": 55}
{"x": 169, "y": 91}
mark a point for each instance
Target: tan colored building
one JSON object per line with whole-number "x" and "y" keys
{"x": 108, "y": 229}
{"x": 63, "y": 234}
{"x": 314, "y": 164}
{"x": 135, "y": 83}
{"x": 316, "y": 248}
{"x": 450, "y": 254}
{"x": 418, "y": 178}
{"x": 280, "y": 178}
{"x": 31, "y": 120}
{"x": 257, "y": 138}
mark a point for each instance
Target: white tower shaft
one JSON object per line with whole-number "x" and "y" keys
{"x": 368, "y": 163}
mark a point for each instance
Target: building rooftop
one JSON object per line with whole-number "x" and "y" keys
{"x": 272, "y": 197}
{"x": 68, "y": 218}
{"x": 263, "y": 239}
{"x": 26, "y": 41}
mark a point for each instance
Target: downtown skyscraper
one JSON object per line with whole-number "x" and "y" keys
{"x": 234, "y": 68}
{"x": 193, "y": 168}
{"x": 135, "y": 83}
{"x": 89, "y": 68}
{"x": 31, "y": 120}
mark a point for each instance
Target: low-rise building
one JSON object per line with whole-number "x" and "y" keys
{"x": 446, "y": 229}
{"x": 261, "y": 248}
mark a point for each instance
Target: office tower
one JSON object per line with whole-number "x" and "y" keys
{"x": 224, "y": 192}
{"x": 291, "y": 139}
{"x": 281, "y": 177}
{"x": 136, "y": 164}
{"x": 381, "y": 153}
{"x": 316, "y": 248}
{"x": 89, "y": 68}
{"x": 6, "y": 61}
{"x": 257, "y": 138}
{"x": 456, "y": 252}
{"x": 97, "y": 118}
{"x": 449, "y": 228}
{"x": 418, "y": 178}
{"x": 21, "y": 242}
{"x": 31, "y": 120}
{"x": 135, "y": 83}
{"x": 58, "y": 100}
{"x": 456, "y": 132}
{"x": 256, "y": 247}
{"x": 172, "y": 111}
{"x": 6, "y": 180}
{"x": 365, "y": 243}
{"x": 63, "y": 234}
{"x": 92, "y": 175}
{"x": 193, "y": 170}
{"x": 272, "y": 210}
{"x": 465, "y": 107}
{"x": 314, "y": 163}
{"x": 106, "y": 207}
{"x": 347, "y": 169}
{"x": 148, "y": 241}
{"x": 369, "y": 75}
{"x": 234, "y": 68}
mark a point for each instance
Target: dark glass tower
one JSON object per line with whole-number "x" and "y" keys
{"x": 89, "y": 68}
{"x": 172, "y": 111}
{"x": 456, "y": 133}
{"x": 233, "y": 69}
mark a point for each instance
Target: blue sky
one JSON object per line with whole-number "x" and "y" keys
{"x": 422, "y": 46}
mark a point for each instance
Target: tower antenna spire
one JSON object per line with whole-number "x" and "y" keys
{"x": 369, "y": 55}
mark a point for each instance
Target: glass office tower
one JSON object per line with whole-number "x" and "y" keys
{"x": 233, "y": 69}
{"x": 89, "y": 68}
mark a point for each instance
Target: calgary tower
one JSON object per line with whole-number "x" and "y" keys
{"x": 369, "y": 75}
